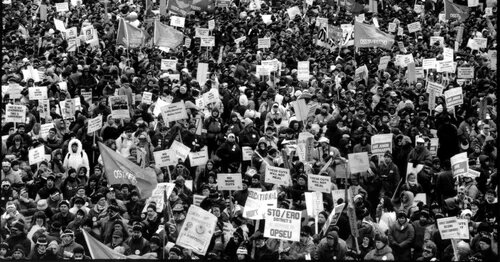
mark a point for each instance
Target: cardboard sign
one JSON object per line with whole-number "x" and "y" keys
{"x": 177, "y": 21}
{"x": 303, "y": 70}
{"x": 358, "y": 162}
{"x": 277, "y": 175}
{"x": 169, "y": 64}
{"x": 282, "y": 224}
{"x": 264, "y": 43}
{"x": 314, "y": 203}
{"x": 207, "y": 41}
{"x": 319, "y": 183}
{"x": 147, "y": 97}
{"x": 435, "y": 88}
{"x": 37, "y": 93}
{"x": 36, "y": 155}
{"x": 199, "y": 158}
{"x": 165, "y": 158}
{"x": 414, "y": 27}
{"x": 465, "y": 72}
{"x": 62, "y": 7}
{"x": 247, "y": 153}
{"x": 384, "y": 61}
{"x": 454, "y": 97}
{"x": 258, "y": 202}
{"x": 15, "y": 113}
{"x": 119, "y": 107}
{"x": 333, "y": 217}
{"x": 201, "y": 32}
{"x": 94, "y": 124}
{"x": 229, "y": 182}
{"x": 181, "y": 151}
{"x": 459, "y": 164}
{"x": 174, "y": 112}
{"x": 437, "y": 39}
{"x": 201, "y": 73}
{"x": 429, "y": 63}
{"x": 381, "y": 144}
{"x": 44, "y": 129}
{"x": 211, "y": 96}
{"x": 392, "y": 27}
{"x": 448, "y": 227}
{"x": 197, "y": 231}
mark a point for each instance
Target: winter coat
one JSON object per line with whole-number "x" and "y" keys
{"x": 324, "y": 252}
{"x": 401, "y": 238}
{"x": 383, "y": 254}
{"x": 77, "y": 159}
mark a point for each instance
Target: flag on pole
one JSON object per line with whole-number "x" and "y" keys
{"x": 120, "y": 170}
{"x": 370, "y": 36}
{"x": 100, "y": 251}
{"x": 129, "y": 35}
{"x": 451, "y": 10}
{"x": 166, "y": 36}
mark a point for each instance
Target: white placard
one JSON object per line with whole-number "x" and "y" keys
{"x": 303, "y": 70}
{"x": 229, "y": 182}
{"x": 15, "y": 113}
{"x": 165, "y": 158}
{"x": 197, "y": 230}
{"x": 358, "y": 162}
{"x": 293, "y": 11}
{"x": 181, "y": 151}
{"x": 264, "y": 43}
{"x": 36, "y": 155}
{"x": 59, "y": 25}
{"x": 247, "y": 153}
{"x": 460, "y": 164}
{"x": 448, "y": 227}
{"x": 201, "y": 32}
{"x": 94, "y": 124}
{"x": 282, "y": 224}
{"x": 44, "y": 129}
{"x": 314, "y": 203}
{"x": 258, "y": 202}
{"x": 38, "y": 93}
{"x": 454, "y": 97}
{"x": 414, "y": 27}
{"x": 174, "y": 112}
{"x": 199, "y": 158}
{"x": 169, "y": 64}
{"x": 437, "y": 39}
{"x": 319, "y": 183}
{"x": 429, "y": 63}
{"x": 62, "y": 7}
{"x": 277, "y": 175}
{"x": 177, "y": 21}
{"x": 147, "y": 97}
{"x": 465, "y": 72}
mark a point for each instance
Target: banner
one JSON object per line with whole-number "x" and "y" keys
{"x": 277, "y": 175}
{"x": 282, "y": 224}
{"x": 319, "y": 183}
{"x": 197, "y": 230}
{"x": 451, "y": 10}
{"x": 94, "y": 124}
{"x": 36, "y": 155}
{"x": 448, "y": 227}
{"x": 187, "y": 7}
{"x": 181, "y": 150}
{"x": 129, "y": 35}
{"x": 370, "y": 36}
{"x": 333, "y": 217}
{"x": 15, "y": 113}
{"x": 258, "y": 202}
{"x": 314, "y": 203}
{"x": 119, "y": 107}
{"x": 174, "y": 112}
{"x": 166, "y": 36}
{"x": 454, "y": 97}
{"x": 358, "y": 162}
{"x": 164, "y": 158}
{"x": 381, "y": 144}
{"x": 459, "y": 164}
{"x": 230, "y": 182}
{"x": 199, "y": 158}
{"x": 120, "y": 170}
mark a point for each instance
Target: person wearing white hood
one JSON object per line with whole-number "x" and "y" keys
{"x": 76, "y": 156}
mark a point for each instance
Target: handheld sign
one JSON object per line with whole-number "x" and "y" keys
{"x": 258, "y": 202}
{"x": 448, "y": 227}
{"x": 229, "y": 181}
{"x": 454, "y": 97}
{"x": 319, "y": 183}
{"x": 174, "y": 112}
{"x": 277, "y": 175}
{"x": 199, "y": 158}
{"x": 94, "y": 124}
{"x": 314, "y": 203}
{"x": 15, "y": 113}
{"x": 38, "y": 93}
{"x": 358, "y": 162}
{"x": 460, "y": 164}
{"x": 181, "y": 151}
{"x": 264, "y": 43}
{"x": 36, "y": 155}
{"x": 197, "y": 231}
{"x": 282, "y": 224}
{"x": 165, "y": 158}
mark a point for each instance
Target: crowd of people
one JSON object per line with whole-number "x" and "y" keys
{"x": 45, "y": 207}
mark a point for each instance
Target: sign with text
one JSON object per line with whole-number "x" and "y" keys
{"x": 15, "y": 113}
{"x": 201, "y": 32}
{"x": 207, "y": 41}
{"x": 177, "y": 21}
{"x": 381, "y": 144}
{"x": 454, "y": 97}
{"x": 258, "y": 202}
{"x": 414, "y": 27}
{"x": 282, "y": 224}
{"x": 277, "y": 175}
{"x": 264, "y": 43}
{"x": 165, "y": 158}
{"x": 448, "y": 227}
{"x": 197, "y": 231}
{"x": 38, "y": 93}
{"x": 181, "y": 150}
{"x": 199, "y": 158}
{"x": 247, "y": 153}
{"x": 229, "y": 181}
{"x": 465, "y": 72}
{"x": 174, "y": 112}
{"x": 319, "y": 183}
{"x": 459, "y": 164}
{"x": 314, "y": 203}
{"x": 119, "y": 107}
{"x": 36, "y": 155}
{"x": 94, "y": 124}
{"x": 169, "y": 64}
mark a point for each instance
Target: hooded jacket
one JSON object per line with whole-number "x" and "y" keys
{"x": 379, "y": 254}
{"x": 78, "y": 159}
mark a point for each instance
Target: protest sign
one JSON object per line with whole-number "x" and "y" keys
{"x": 293, "y": 11}
{"x": 211, "y": 24}
{"x": 211, "y": 96}
{"x": 333, "y": 217}
{"x": 305, "y": 144}
{"x": 181, "y": 151}
{"x": 319, "y": 183}
{"x": 229, "y": 181}
{"x": 282, "y": 224}
{"x": 429, "y": 63}
{"x": 358, "y": 162}
{"x": 414, "y": 27}
{"x": 174, "y": 112}
{"x": 384, "y": 61}
{"x": 197, "y": 230}
{"x": 465, "y": 72}
{"x": 199, "y": 158}
{"x": 351, "y": 214}
{"x": 202, "y": 32}
{"x": 262, "y": 70}
{"x": 481, "y": 42}
{"x": 418, "y": 8}
{"x": 434, "y": 88}
{"x": 314, "y": 203}
{"x": 264, "y": 43}
{"x": 164, "y": 158}
{"x": 300, "y": 109}
{"x": 38, "y": 93}
{"x": 169, "y": 64}
{"x": 448, "y": 227}
{"x": 147, "y": 97}
{"x": 247, "y": 153}
{"x": 36, "y": 155}
{"x": 421, "y": 197}
{"x": 267, "y": 19}
{"x": 207, "y": 41}
{"x": 119, "y": 107}
{"x": 459, "y": 164}
{"x": 444, "y": 66}
{"x": 472, "y": 174}
{"x": 177, "y": 21}
{"x": 340, "y": 194}
{"x": 201, "y": 73}
{"x": 258, "y": 202}
{"x": 433, "y": 147}
{"x": 15, "y": 113}
{"x": 419, "y": 73}
{"x": 94, "y": 124}
{"x": 463, "y": 229}
{"x": 44, "y": 129}
{"x": 436, "y": 39}
{"x": 197, "y": 199}
{"x": 392, "y": 27}
{"x": 62, "y": 7}
{"x": 303, "y": 70}
{"x": 381, "y": 143}
{"x": 448, "y": 54}
{"x": 277, "y": 175}
{"x": 454, "y": 97}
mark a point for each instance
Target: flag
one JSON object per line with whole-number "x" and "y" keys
{"x": 166, "y": 36}
{"x": 129, "y": 35}
{"x": 100, "y": 251}
{"x": 187, "y": 7}
{"x": 451, "y": 10}
{"x": 370, "y": 36}
{"x": 120, "y": 170}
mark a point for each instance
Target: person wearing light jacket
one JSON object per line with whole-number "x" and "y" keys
{"x": 76, "y": 157}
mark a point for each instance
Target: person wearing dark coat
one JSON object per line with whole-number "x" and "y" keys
{"x": 448, "y": 139}
{"x": 18, "y": 237}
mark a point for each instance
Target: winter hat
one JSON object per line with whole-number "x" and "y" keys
{"x": 402, "y": 214}
{"x": 382, "y": 238}
{"x": 466, "y": 212}
{"x": 242, "y": 251}
{"x": 486, "y": 240}
{"x": 176, "y": 250}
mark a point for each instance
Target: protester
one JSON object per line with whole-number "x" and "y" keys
{"x": 181, "y": 130}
